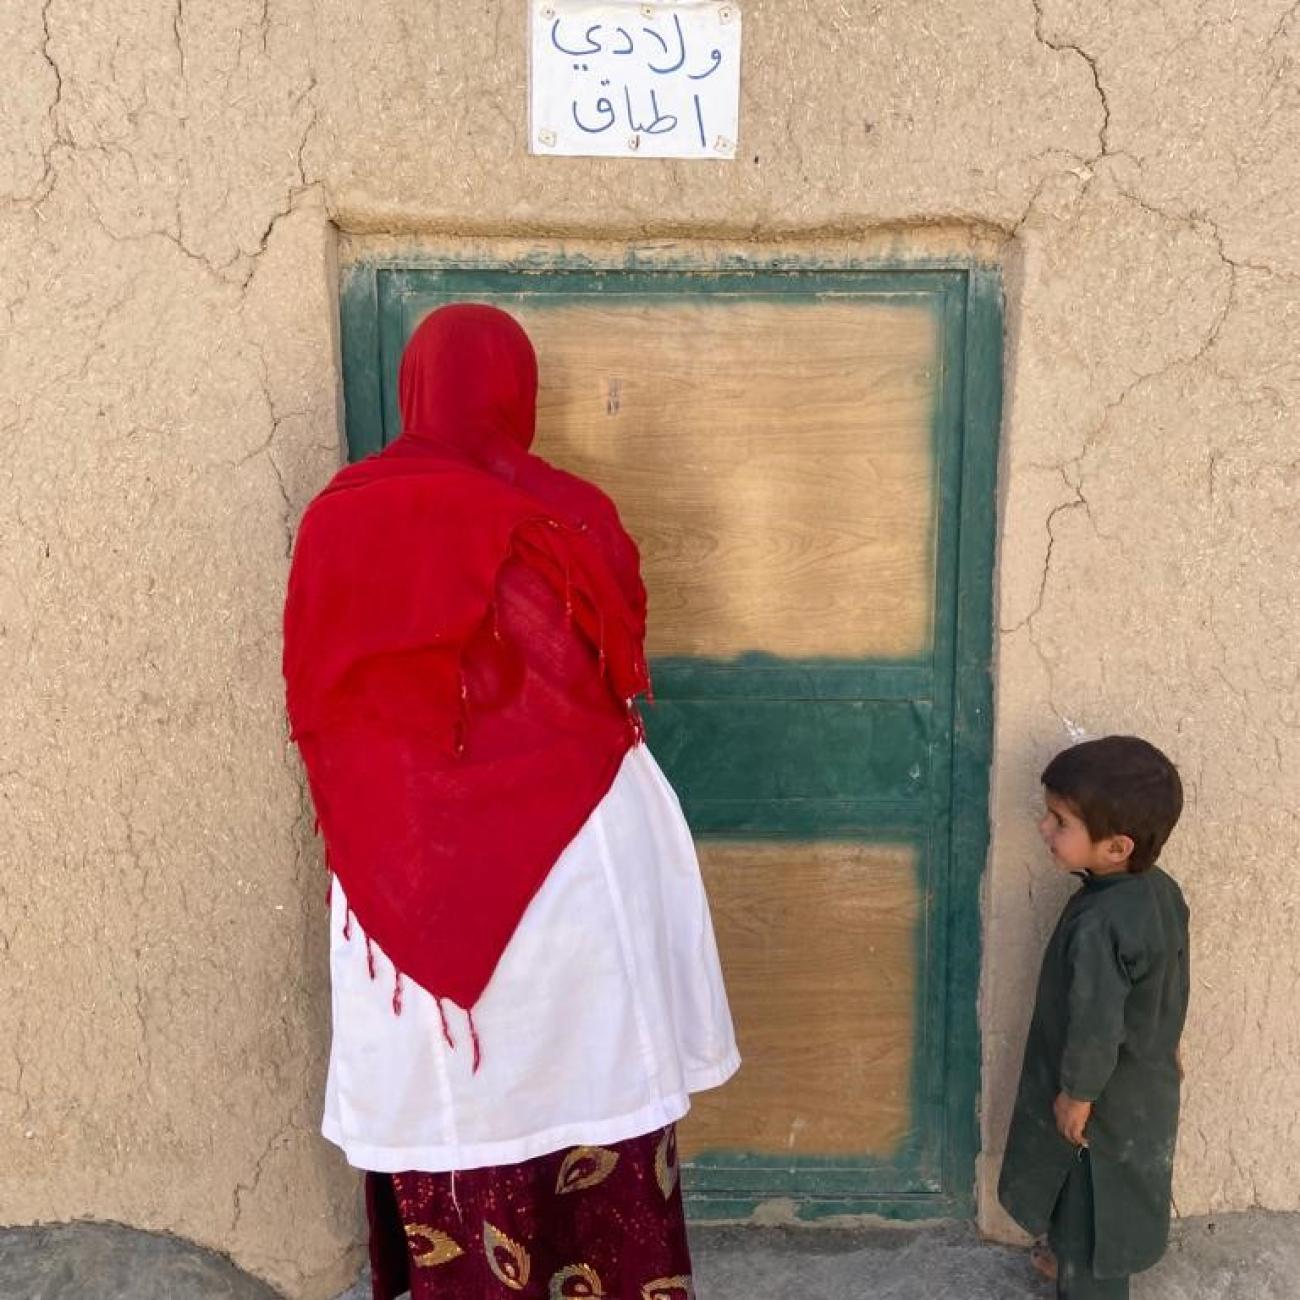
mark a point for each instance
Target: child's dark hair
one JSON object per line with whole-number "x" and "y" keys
{"x": 1120, "y": 785}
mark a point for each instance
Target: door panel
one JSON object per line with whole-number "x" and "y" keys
{"x": 814, "y": 937}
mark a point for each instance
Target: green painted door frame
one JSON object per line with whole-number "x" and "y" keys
{"x": 916, "y": 733}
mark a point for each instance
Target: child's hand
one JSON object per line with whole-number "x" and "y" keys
{"x": 1071, "y": 1118}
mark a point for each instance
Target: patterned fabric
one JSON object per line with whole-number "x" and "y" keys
{"x": 586, "y": 1223}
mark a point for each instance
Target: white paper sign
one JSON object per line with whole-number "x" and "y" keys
{"x": 613, "y": 78}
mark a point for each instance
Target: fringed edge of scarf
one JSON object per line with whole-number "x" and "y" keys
{"x": 399, "y": 985}
{"x": 640, "y": 668}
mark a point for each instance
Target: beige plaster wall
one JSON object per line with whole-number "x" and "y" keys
{"x": 173, "y": 174}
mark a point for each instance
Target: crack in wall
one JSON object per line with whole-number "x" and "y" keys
{"x": 296, "y": 192}
{"x": 1280, "y": 28}
{"x": 312, "y": 124}
{"x": 277, "y": 1139}
{"x": 1052, "y": 517}
{"x": 1028, "y": 624}
{"x": 171, "y": 237}
{"x": 178, "y": 22}
{"x": 224, "y": 271}
{"x": 45, "y": 184}
{"x": 1201, "y": 225}
{"x": 57, "y": 102}
{"x": 267, "y": 449}
{"x": 1062, "y": 47}
{"x": 1015, "y": 230}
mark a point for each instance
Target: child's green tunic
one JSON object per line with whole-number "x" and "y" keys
{"x": 1112, "y": 998}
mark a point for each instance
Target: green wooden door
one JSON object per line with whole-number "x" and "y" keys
{"x": 807, "y": 459}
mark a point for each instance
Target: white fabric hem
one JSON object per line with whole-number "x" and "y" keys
{"x": 713, "y": 1076}
{"x": 481, "y": 1155}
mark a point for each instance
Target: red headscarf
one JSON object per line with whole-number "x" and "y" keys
{"x": 463, "y": 643}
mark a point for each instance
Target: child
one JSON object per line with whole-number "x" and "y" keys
{"x": 1090, "y": 1153}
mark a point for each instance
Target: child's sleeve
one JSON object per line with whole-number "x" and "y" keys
{"x": 1100, "y": 981}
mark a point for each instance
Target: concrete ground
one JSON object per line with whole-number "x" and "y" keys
{"x": 102, "y": 1261}
{"x": 1237, "y": 1257}
{"x": 1234, "y": 1257}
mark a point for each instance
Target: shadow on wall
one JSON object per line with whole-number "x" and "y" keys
{"x": 105, "y": 1261}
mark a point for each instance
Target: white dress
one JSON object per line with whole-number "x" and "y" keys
{"x": 606, "y": 1011}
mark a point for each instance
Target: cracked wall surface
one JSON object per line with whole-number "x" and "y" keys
{"x": 1148, "y": 577}
{"x": 172, "y": 178}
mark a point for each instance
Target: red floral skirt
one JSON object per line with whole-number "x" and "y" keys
{"x": 579, "y": 1224}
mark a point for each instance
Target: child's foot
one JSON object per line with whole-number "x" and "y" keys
{"x": 1041, "y": 1257}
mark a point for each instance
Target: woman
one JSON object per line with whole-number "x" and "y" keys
{"x": 525, "y": 982}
